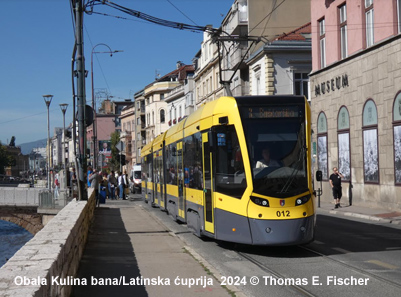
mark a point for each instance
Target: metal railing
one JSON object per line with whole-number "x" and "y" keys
{"x": 48, "y": 200}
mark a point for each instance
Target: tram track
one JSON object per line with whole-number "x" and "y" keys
{"x": 299, "y": 289}
{"x": 356, "y": 269}
{"x": 276, "y": 274}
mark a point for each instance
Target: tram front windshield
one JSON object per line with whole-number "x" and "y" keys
{"x": 277, "y": 155}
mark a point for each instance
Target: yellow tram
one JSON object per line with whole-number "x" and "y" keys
{"x": 238, "y": 170}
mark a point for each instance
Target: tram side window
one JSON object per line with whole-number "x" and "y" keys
{"x": 171, "y": 164}
{"x": 193, "y": 162}
{"x": 144, "y": 167}
{"x": 160, "y": 172}
{"x": 230, "y": 175}
{"x": 149, "y": 170}
{"x": 158, "y": 167}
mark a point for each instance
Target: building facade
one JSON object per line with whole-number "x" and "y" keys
{"x": 154, "y": 96}
{"x": 140, "y": 125}
{"x": 207, "y": 79}
{"x": 356, "y": 98}
{"x": 282, "y": 66}
{"x": 127, "y": 135}
{"x": 180, "y": 100}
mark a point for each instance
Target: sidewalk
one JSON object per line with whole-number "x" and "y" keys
{"x": 130, "y": 248}
{"x": 377, "y": 215}
{"x": 134, "y": 251}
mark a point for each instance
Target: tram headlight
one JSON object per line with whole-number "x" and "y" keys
{"x": 302, "y": 200}
{"x": 260, "y": 201}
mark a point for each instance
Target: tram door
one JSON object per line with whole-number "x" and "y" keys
{"x": 180, "y": 171}
{"x": 155, "y": 178}
{"x": 207, "y": 184}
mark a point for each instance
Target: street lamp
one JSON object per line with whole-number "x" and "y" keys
{"x": 93, "y": 98}
{"x": 63, "y": 108}
{"x": 48, "y": 100}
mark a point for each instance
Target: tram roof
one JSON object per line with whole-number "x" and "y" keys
{"x": 158, "y": 141}
{"x": 147, "y": 148}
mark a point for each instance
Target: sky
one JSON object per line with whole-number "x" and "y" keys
{"x": 37, "y": 39}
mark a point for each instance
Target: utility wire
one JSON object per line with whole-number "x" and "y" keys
{"x": 98, "y": 61}
{"x": 181, "y": 26}
{"x": 268, "y": 15}
{"x": 182, "y": 12}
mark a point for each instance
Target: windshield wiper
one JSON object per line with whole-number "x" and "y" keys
{"x": 298, "y": 163}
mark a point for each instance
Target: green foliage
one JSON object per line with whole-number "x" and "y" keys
{"x": 114, "y": 163}
{"x": 5, "y": 159}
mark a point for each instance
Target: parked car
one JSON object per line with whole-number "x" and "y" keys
{"x": 135, "y": 178}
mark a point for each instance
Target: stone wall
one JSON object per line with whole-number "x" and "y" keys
{"x": 47, "y": 264}
{"x": 25, "y": 217}
{"x": 19, "y": 196}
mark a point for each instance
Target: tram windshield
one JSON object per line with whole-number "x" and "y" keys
{"x": 277, "y": 155}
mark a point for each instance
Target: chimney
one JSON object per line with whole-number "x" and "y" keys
{"x": 179, "y": 64}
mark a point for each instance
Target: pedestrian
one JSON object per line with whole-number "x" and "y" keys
{"x": 121, "y": 185}
{"x": 126, "y": 184}
{"x": 56, "y": 187}
{"x": 335, "y": 183}
{"x": 73, "y": 181}
{"x": 112, "y": 183}
{"x": 94, "y": 179}
{"x": 90, "y": 171}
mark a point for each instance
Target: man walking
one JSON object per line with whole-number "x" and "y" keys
{"x": 335, "y": 183}
{"x": 94, "y": 181}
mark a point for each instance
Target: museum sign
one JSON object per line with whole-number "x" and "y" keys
{"x": 331, "y": 85}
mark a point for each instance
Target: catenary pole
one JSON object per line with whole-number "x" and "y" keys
{"x": 81, "y": 100}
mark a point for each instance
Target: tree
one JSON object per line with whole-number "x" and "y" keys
{"x": 5, "y": 158}
{"x": 114, "y": 163}
{"x": 12, "y": 142}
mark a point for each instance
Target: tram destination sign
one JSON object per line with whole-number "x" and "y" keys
{"x": 273, "y": 112}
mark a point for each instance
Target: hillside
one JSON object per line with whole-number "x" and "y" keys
{"x": 26, "y": 148}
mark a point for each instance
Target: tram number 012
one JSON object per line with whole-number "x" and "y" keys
{"x": 283, "y": 213}
{"x": 233, "y": 280}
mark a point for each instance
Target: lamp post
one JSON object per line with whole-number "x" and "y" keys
{"x": 93, "y": 98}
{"x": 63, "y": 108}
{"x": 48, "y": 100}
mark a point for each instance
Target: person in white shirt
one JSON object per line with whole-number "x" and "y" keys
{"x": 121, "y": 185}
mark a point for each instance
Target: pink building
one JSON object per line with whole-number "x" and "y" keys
{"x": 343, "y": 28}
{"x": 106, "y": 125}
{"x": 356, "y": 98}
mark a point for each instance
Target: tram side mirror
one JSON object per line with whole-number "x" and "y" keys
{"x": 319, "y": 175}
{"x": 210, "y": 136}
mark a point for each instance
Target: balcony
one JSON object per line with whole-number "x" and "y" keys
{"x": 237, "y": 55}
{"x": 238, "y": 18}
{"x": 174, "y": 93}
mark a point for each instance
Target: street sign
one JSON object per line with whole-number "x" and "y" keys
{"x": 119, "y": 146}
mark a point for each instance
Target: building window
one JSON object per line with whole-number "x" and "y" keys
{"x": 301, "y": 81}
{"x": 397, "y": 138}
{"x": 344, "y": 156}
{"x": 161, "y": 97}
{"x": 343, "y": 31}
{"x": 369, "y": 22}
{"x": 370, "y": 143}
{"x": 257, "y": 85}
{"x": 322, "y": 43}
{"x": 322, "y": 145}
{"x": 162, "y": 116}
